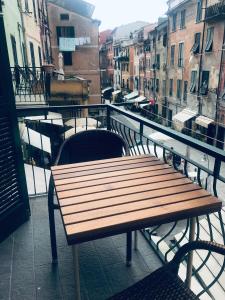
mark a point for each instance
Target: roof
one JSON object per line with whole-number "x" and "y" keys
{"x": 131, "y": 95}
{"x": 203, "y": 121}
{"x": 185, "y": 115}
{"x": 158, "y": 136}
{"x": 124, "y": 31}
{"x": 37, "y": 140}
{"x": 78, "y": 6}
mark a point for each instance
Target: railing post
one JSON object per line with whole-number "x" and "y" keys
{"x": 141, "y": 131}
{"x": 108, "y": 118}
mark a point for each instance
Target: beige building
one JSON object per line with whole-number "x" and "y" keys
{"x": 74, "y": 34}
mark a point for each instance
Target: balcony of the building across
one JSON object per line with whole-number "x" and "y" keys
{"x": 122, "y": 56}
{"x": 215, "y": 12}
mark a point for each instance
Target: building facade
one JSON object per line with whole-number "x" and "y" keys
{"x": 75, "y": 36}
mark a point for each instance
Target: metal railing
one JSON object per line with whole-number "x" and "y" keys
{"x": 29, "y": 85}
{"x": 202, "y": 163}
{"x": 215, "y": 11}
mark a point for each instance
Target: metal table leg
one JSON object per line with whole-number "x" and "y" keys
{"x": 190, "y": 256}
{"x": 135, "y": 240}
{"x": 76, "y": 271}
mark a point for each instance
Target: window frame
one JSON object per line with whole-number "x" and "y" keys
{"x": 193, "y": 84}
{"x": 181, "y": 55}
{"x": 68, "y": 62}
{"x": 174, "y": 22}
{"x": 209, "y": 39}
{"x": 172, "y": 57}
{"x": 179, "y": 89}
{"x": 197, "y": 43}
{"x": 62, "y": 17}
{"x": 183, "y": 19}
{"x": 171, "y": 88}
{"x": 199, "y": 11}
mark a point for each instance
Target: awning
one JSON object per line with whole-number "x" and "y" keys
{"x": 116, "y": 92}
{"x": 203, "y": 121}
{"x": 184, "y": 116}
{"x": 143, "y": 105}
{"x": 107, "y": 89}
{"x": 131, "y": 95}
{"x": 137, "y": 100}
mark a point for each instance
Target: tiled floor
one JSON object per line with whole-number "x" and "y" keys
{"x": 26, "y": 271}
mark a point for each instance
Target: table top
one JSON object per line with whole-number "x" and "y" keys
{"x": 107, "y": 197}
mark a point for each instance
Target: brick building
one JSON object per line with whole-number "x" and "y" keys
{"x": 76, "y": 35}
{"x": 106, "y": 58}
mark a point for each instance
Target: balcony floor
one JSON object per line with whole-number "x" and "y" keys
{"x": 27, "y": 273}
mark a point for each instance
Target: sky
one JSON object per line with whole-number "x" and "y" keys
{"x": 113, "y": 13}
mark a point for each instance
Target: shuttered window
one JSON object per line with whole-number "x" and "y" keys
{"x": 209, "y": 39}
{"x": 196, "y": 47}
{"x": 193, "y": 85}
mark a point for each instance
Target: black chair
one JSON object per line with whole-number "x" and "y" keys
{"x": 164, "y": 283}
{"x": 85, "y": 146}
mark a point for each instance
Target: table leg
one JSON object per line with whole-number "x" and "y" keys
{"x": 135, "y": 240}
{"x": 76, "y": 271}
{"x": 129, "y": 248}
{"x": 190, "y": 256}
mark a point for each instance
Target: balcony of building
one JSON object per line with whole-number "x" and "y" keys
{"x": 46, "y": 86}
{"x": 27, "y": 271}
{"x": 215, "y": 12}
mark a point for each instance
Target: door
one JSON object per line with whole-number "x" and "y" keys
{"x": 32, "y": 56}
{"x": 14, "y": 204}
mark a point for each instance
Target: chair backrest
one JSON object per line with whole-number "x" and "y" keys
{"x": 91, "y": 145}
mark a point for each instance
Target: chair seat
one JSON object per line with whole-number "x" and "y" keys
{"x": 159, "y": 285}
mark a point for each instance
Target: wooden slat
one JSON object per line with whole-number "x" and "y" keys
{"x": 127, "y": 159}
{"x": 125, "y": 191}
{"x": 90, "y": 171}
{"x": 85, "y": 206}
{"x": 89, "y": 178}
{"x": 138, "y": 219}
{"x": 132, "y": 207}
{"x": 111, "y": 186}
{"x": 108, "y": 180}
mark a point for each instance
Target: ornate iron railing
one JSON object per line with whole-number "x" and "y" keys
{"x": 216, "y": 11}
{"x": 199, "y": 161}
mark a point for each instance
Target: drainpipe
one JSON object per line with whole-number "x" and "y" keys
{"x": 19, "y": 3}
{"x": 218, "y": 90}
{"x": 200, "y": 66}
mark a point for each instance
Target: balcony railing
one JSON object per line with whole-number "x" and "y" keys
{"x": 216, "y": 11}
{"x": 202, "y": 163}
{"x": 29, "y": 85}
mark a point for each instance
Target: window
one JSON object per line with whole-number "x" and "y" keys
{"x": 32, "y": 55}
{"x": 26, "y": 6}
{"x": 157, "y": 85}
{"x": 174, "y": 22}
{"x": 209, "y": 39}
{"x": 171, "y": 88}
{"x": 181, "y": 55}
{"x": 179, "y": 84}
{"x": 164, "y": 88}
{"x": 34, "y": 10}
{"x": 165, "y": 40}
{"x": 196, "y": 47}
{"x": 193, "y": 85}
{"x": 65, "y": 31}
{"x": 39, "y": 53}
{"x": 13, "y": 42}
{"x": 67, "y": 58}
{"x": 185, "y": 91}
{"x": 199, "y": 11}
{"x": 158, "y": 61}
{"x": 64, "y": 17}
{"x": 205, "y": 83}
{"x": 172, "y": 55}
{"x": 182, "y": 19}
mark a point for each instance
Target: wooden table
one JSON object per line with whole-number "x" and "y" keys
{"x": 108, "y": 197}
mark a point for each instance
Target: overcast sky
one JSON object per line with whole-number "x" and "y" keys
{"x": 113, "y": 13}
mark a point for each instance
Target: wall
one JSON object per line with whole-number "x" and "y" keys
{"x": 11, "y": 12}
{"x": 85, "y": 58}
